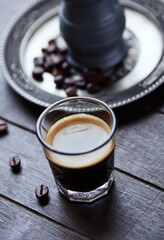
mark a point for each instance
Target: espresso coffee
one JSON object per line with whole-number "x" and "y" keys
{"x": 81, "y": 168}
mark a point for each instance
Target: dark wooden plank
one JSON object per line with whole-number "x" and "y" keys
{"x": 155, "y": 227}
{"x": 18, "y": 223}
{"x": 113, "y": 217}
{"x": 140, "y": 140}
{"x": 139, "y": 148}
{"x": 16, "y": 109}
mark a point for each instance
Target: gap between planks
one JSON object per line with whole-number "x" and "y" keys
{"x": 43, "y": 216}
{"x": 116, "y": 169}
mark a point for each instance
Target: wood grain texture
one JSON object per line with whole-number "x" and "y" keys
{"x": 17, "y": 223}
{"x": 113, "y": 217}
{"x": 140, "y": 141}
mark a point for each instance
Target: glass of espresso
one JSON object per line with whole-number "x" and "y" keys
{"x": 78, "y": 139}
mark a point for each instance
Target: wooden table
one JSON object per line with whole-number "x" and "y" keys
{"x": 134, "y": 207}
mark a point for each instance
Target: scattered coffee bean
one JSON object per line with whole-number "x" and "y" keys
{"x": 65, "y": 67}
{"x": 59, "y": 80}
{"x": 52, "y": 41}
{"x": 81, "y": 83}
{"x": 107, "y": 81}
{"x": 38, "y": 72}
{"x": 39, "y": 61}
{"x": 56, "y": 59}
{"x": 42, "y": 192}
{"x": 71, "y": 91}
{"x": 52, "y": 48}
{"x": 94, "y": 75}
{"x": 93, "y": 87}
{"x": 62, "y": 50}
{"x": 3, "y": 126}
{"x": 56, "y": 72}
{"x": 44, "y": 51}
{"x": 15, "y": 162}
{"x": 69, "y": 81}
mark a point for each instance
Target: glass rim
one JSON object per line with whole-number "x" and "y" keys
{"x": 42, "y": 115}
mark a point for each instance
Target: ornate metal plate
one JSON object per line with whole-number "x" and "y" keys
{"x": 143, "y": 69}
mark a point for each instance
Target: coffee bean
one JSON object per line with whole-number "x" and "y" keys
{"x": 93, "y": 87}
{"x": 56, "y": 72}
{"x": 69, "y": 81}
{"x": 56, "y": 59}
{"x": 39, "y": 61}
{"x": 44, "y": 51}
{"x": 52, "y": 48}
{"x": 3, "y": 126}
{"x": 15, "y": 162}
{"x": 71, "y": 91}
{"x": 94, "y": 75}
{"x": 81, "y": 83}
{"x": 62, "y": 50}
{"x": 65, "y": 67}
{"x": 107, "y": 81}
{"x": 52, "y": 41}
{"x": 42, "y": 192}
{"x": 38, "y": 72}
{"x": 59, "y": 81}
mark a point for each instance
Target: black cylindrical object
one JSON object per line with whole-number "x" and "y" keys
{"x": 93, "y": 31}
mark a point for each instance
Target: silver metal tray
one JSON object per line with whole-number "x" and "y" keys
{"x": 38, "y": 23}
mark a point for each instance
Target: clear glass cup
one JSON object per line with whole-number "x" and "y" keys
{"x": 87, "y": 174}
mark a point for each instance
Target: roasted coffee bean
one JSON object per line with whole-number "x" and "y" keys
{"x": 47, "y": 67}
{"x": 56, "y": 72}
{"x": 56, "y": 59}
{"x": 71, "y": 91}
{"x": 15, "y": 162}
{"x": 62, "y": 50}
{"x": 94, "y": 75}
{"x": 39, "y": 61}
{"x": 38, "y": 72}
{"x": 107, "y": 81}
{"x": 93, "y": 87}
{"x": 65, "y": 67}
{"x": 52, "y": 41}
{"x": 69, "y": 81}
{"x": 59, "y": 81}
{"x": 3, "y": 126}
{"x": 51, "y": 49}
{"x": 81, "y": 83}
{"x": 44, "y": 51}
{"x": 42, "y": 192}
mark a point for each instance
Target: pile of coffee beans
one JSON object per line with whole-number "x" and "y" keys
{"x": 54, "y": 61}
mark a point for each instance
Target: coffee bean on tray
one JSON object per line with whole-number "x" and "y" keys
{"x": 38, "y": 72}
{"x": 52, "y": 48}
{"x": 42, "y": 192}
{"x": 65, "y": 67}
{"x": 56, "y": 59}
{"x": 15, "y": 162}
{"x": 69, "y": 81}
{"x": 94, "y": 75}
{"x": 80, "y": 83}
{"x": 93, "y": 87}
{"x": 3, "y": 126}
{"x": 59, "y": 81}
{"x": 71, "y": 91}
{"x": 56, "y": 71}
{"x": 39, "y": 61}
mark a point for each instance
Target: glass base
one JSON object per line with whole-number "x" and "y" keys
{"x": 87, "y": 196}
